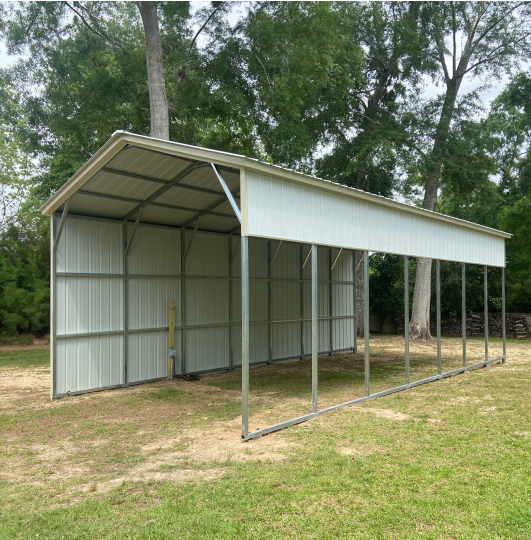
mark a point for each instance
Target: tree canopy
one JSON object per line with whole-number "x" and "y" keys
{"x": 336, "y": 89}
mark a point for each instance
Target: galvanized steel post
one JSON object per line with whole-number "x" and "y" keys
{"x": 503, "y": 318}
{"x": 315, "y": 329}
{"x": 302, "y": 299}
{"x": 406, "y": 314}
{"x": 438, "y": 287}
{"x": 355, "y": 300}
{"x": 231, "y": 347}
{"x": 366, "y": 322}
{"x": 53, "y": 308}
{"x": 269, "y": 296}
{"x": 245, "y": 335}
{"x": 330, "y": 309}
{"x": 486, "y": 313}
{"x": 126, "y": 301}
{"x": 463, "y": 310}
{"x": 183, "y": 302}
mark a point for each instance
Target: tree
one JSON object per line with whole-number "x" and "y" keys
{"x": 160, "y": 121}
{"x": 495, "y": 35}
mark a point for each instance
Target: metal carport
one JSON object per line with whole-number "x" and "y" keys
{"x": 258, "y": 259}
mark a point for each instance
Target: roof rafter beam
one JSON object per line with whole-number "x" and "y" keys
{"x": 208, "y": 210}
{"x": 165, "y": 182}
{"x": 175, "y": 180}
{"x": 158, "y": 205}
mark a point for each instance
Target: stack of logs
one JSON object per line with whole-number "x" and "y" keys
{"x": 515, "y": 325}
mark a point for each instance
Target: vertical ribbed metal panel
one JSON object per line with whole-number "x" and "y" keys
{"x": 208, "y": 255}
{"x": 324, "y": 337}
{"x": 90, "y": 246}
{"x": 286, "y": 339}
{"x": 285, "y": 300}
{"x": 342, "y": 299}
{"x": 342, "y": 334}
{"x": 258, "y": 343}
{"x": 207, "y": 348}
{"x": 86, "y": 363}
{"x": 322, "y": 300}
{"x": 343, "y": 270}
{"x": 89, "y": 304}
{"x": 149, "y": 300}
{"x": 257, "y": 258}
{"x": 154, "y": 251}
{"x": 207, "y": 301}
{"x": 148, "y": 355}
{"x": 257, "y": 301}
{"x": 289, "y": 211}
{"x": 287, "y": 262}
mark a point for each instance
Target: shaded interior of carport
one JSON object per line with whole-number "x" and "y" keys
{"x": 147, "y": 225}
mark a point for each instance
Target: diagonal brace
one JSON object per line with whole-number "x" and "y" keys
{"x": 61, "y": 225}
{"x": 228, "y": 193}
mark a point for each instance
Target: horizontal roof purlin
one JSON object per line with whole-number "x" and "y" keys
{"x": 121, "y": 139}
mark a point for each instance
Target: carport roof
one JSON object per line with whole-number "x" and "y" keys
{"x": 175, "y": 183}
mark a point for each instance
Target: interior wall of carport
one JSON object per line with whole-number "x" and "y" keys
{"x": 110, "y": 315}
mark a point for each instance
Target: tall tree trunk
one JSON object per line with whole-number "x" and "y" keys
{"x": 160, "y": 121}
{"x": 419, "y": 327}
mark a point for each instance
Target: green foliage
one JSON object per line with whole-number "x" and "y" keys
{"x": 24, "y": 279}
{"x": 333, "y": 88}
{"x": 517, "y": 220}
{"x": 386, "y": 290}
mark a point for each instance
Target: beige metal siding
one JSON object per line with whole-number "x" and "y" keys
{"x": 289, "y": 211}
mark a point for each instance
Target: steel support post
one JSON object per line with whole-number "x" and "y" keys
{"x": 125, "y": 302}
{"x": 463, "y": 310}
{"x": 302, "y": 299}
{"x": 269, "y": 296}
{"x": 406, "y": 314}
{"x": 245, "y": 335}
{"x": 231, "y": 359}
{"x": 315, "y": 329}
{"x": 486, "y": 313}
{"x": 503, "y": 317}
{"x": 355, "y": 300}
{"x": 438, "y": 287}
{"x": 366, "y": 322}
{"x": 183, "y": 303}
{"x": 330, "y": 310}
{"x": 53, "y": 307}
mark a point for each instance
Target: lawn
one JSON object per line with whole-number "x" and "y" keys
{"x": 449, "y": 459}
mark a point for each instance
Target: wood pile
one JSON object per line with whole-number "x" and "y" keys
{"x": 515, "y": 325}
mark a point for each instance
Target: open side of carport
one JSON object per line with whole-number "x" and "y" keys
{"x": 231, "y": 261}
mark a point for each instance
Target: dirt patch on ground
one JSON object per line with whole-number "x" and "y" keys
{"x": 23, "y": 386}
{"x": 356, "y": 451}
{"x": 384, "y": 413}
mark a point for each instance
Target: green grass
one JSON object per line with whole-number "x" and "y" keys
{"x": 456, "y": 467}
{"x": 25, "y": 359}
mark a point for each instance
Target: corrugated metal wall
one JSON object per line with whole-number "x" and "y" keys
{"x": 89, "y": 344}
{"x": 286, "y": 210}
{"x": 98, "y": 306}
